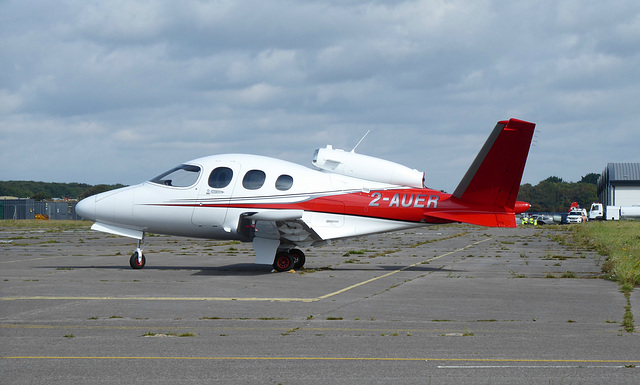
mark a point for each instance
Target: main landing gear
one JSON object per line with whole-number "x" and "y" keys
{"x": 285, "y": 261}
{"x": 137, "y": 259}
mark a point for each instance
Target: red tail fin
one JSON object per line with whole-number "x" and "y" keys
{"x": 493, "y": 180}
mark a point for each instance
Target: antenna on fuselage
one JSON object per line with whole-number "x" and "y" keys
{"x": 365, "y": 135}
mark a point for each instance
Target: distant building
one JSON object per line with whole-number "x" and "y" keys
{"x": 30, "y": 209}
{"x": 619, "y": 184}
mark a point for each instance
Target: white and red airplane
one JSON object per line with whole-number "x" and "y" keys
{"x": 282, "y": 207}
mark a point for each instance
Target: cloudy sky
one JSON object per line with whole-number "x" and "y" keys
{"x": 119, "y": 91}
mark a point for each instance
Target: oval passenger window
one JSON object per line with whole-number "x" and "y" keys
{"x": 220, "y": 177}
{"x": 253, "y": 179}
{"x": 284, "y": 182}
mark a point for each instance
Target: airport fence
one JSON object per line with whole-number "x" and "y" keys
{"x": 30, "y": 209}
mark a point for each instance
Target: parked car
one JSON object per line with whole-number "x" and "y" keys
{"x": 577, "y": 216}
{"x": 536, "y": 219}
{"x": 543, "y": 219}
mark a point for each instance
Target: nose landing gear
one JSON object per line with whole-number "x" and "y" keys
{"x": 137, "y": 260}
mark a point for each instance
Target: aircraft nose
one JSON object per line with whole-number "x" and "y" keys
{"x": 86, "y": 208}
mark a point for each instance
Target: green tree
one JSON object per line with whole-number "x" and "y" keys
{"x": 41, "y": 196}
{"x": 590, "y": 178}
{"x": 45, "y": 190}
{"x": 97, "y": 189}
{"x": 553, "y": 179}
{"x": 555, "y": 195}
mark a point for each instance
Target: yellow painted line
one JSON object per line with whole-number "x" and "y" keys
{"x": 90, "y": 298}
{"x": 249, "y": 358}
{"x": 229, "y": 328}
{"x": 274, "y": 328}
{"x": 64, "y": 327}
{"x": 37, "y": 259}
{"x": 247, "y": 299}
{"x": 400, "y": 270}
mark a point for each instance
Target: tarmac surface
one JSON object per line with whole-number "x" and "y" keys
{"x": 440, "y": 305}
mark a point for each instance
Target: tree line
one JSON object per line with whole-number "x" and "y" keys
{"x": 555, "y": 195}
{"x": 42, "y": 191}
{"x": 552, "y": 194}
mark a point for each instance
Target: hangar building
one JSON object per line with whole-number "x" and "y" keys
{"x": 619, "y": 184}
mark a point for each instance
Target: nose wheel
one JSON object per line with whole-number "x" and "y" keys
{"x": 137, "y": 260}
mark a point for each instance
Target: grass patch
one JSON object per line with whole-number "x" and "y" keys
{"x": 627, "y": 319}
{"x": 290, "y": 331}
{"x": 356, "y": 252}
{"x": 619, "y": 241}
{"x": 170, "y": 334}
{"x": 441, "y": 239}
{"x": 53, "y": 226}
{"x": 516, "y": 275}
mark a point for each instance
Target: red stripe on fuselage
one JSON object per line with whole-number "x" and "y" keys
{"x": 396, "y": 204}
{"x": 408, "y": 205}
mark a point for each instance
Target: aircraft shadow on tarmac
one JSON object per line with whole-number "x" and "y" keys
{"x": 251, "y": 269}
{"x": 234, "y": 269}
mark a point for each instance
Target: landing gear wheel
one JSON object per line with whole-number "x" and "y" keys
{"x": 298, "y": 258}
{"x": 283, "y": 262}
{"x": 137, "y": 260}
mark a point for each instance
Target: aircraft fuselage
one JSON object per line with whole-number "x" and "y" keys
{"x": 281, "y": 206}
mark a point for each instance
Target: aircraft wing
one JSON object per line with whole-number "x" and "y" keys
{"x": 271, "y": 230}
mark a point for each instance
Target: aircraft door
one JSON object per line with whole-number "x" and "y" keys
{"x": 214, "y": 193}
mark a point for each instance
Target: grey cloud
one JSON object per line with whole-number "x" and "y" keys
{"x": 156, "y": 83}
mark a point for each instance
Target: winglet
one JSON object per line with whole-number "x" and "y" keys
{"x": 493, "y": 179}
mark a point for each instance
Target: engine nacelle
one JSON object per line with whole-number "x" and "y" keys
{"x": 366, "y": 167}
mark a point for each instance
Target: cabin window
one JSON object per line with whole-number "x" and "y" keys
{"x": 284, "y": 182}
{"x": 253, "y": 179}
{"x": 220, "y": 177}
{"x": 184, "y": 175}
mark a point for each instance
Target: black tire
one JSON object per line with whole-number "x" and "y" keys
{"x": 283, "y": 262}
{"x": 298, "y": 258}
{"x": 133, "y": 261}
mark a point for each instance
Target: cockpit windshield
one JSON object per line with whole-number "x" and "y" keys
{"x": 184, "y": 175}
